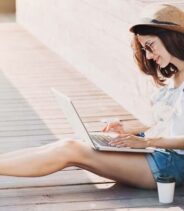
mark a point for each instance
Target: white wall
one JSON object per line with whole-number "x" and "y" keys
{"x": 93, "y": 36}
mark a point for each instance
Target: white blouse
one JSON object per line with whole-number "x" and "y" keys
{"x": 168, "y": 113}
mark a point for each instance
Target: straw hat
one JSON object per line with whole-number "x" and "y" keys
{"x": 162, "y": 16}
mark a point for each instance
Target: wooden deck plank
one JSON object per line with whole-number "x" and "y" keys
{"x": 63, "y": 129}
{"x": 72, "y": 194}
{"x": 145, "y": 209}
{"x": 61, "y": 178}
{"x": 113, "y": 205}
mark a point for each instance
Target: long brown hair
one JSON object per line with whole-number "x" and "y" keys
{"x": 174, "y": 44}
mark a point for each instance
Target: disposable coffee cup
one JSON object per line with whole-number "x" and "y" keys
{"x": 166, "y": 187}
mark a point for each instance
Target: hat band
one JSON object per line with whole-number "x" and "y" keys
{"x": 162, "y": 22}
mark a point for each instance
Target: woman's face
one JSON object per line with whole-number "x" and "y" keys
{"x": 155, "y": 49}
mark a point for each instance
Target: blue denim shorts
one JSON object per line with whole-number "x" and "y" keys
{"x": 167, "y": 162}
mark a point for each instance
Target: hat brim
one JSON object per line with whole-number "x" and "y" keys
{"x": 162, "y": 26}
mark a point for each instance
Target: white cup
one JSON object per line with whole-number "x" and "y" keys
{"x": 166, "y": 187}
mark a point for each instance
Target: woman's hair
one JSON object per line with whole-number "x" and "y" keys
{"x": 174, "y": 44}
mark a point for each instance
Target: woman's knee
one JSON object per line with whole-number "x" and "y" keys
{"x": 77, "y": 147}
{"x": 74, "y": 150}
{"x": 68, "y": 151}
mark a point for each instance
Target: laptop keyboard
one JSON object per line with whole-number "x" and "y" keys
{"x": 101, "y": 139}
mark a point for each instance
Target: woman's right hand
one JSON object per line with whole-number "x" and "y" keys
{"x": 114, "y": 126}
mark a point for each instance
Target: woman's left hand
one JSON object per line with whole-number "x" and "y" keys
{"x": 129, "y": 141}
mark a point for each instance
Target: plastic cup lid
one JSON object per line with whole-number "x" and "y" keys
{"x": 165, "y": 178}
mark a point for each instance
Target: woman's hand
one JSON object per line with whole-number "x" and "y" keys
{"x": 131, "y": 141}
{"x": 115, "y": 126}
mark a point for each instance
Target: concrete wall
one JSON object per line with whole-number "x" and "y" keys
{"x": 93, "y": 36}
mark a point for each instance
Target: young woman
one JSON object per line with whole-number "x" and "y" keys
{"x": 158, "y": 46}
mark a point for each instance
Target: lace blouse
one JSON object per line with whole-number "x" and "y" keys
{"x": 168, "y": 113}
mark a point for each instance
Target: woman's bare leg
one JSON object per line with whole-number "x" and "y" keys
{"x": 35, "y": 161}
{"x": 129, "y": 168}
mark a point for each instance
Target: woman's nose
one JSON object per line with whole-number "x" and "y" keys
{"x": 149, "y": 55}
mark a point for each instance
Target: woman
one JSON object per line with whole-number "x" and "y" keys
{"x": 159, "y": 51}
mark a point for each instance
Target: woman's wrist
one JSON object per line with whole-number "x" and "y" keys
{"x": 153, "y": 142}
{"x": 149, "y": 142}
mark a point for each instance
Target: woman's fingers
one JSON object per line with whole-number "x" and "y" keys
{"x": 119, "y": 140}
{"x": 113, "y": 126}
{"x": 124, "y": 135}
{"x": 104, "y": 129}
{"x": 121, "y": 143}
{"x": 129, "y": 141}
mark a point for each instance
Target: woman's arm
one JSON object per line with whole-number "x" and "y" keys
{"x": 119, "y": 127}
{"x": 166, "y": 142}
{"x": 126, "y": 140}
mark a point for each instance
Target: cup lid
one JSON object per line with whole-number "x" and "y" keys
{"x": 164, "y": 178}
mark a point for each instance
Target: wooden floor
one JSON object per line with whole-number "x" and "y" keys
{"x": 29, "y": 116}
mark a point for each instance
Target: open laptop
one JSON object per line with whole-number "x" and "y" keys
{"x": 96, "y": 141}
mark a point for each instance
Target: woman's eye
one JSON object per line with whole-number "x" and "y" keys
{"x": 151, "y": 44}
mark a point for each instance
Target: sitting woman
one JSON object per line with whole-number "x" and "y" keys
{"x": 158, "y": 45}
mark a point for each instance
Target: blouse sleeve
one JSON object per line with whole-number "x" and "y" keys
{"x": 157, "y": 95}
{"x": 178, "y": 119}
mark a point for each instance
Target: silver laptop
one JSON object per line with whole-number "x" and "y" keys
{"x": 96, "y": 141}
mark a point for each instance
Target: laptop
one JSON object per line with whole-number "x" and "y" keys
{"x": 98, "y": 141}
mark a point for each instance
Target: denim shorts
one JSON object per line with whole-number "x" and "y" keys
{"x": 167, "y": 162}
